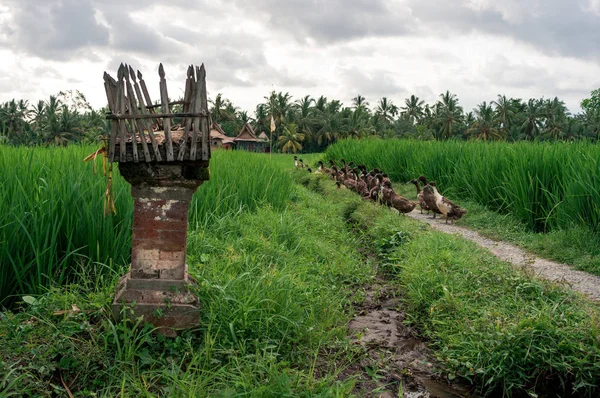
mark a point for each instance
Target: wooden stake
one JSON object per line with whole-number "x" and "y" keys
{"x": 164, "y": 97}
{"x": 133, "y": 110}
{"x": 144, "y": 112}
{"x": 204, "y": 119}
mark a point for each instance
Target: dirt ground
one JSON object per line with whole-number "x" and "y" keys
{"x": 397, "y": 363}
{"x": 580, "y": 281}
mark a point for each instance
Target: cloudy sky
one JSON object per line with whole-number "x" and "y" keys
{"x": 337, "y": 48}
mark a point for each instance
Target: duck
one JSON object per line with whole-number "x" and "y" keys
{"x": 296, "y": 161}
{"x": 309, "y": 170}
{"x": 400, "y": 203}
{"x": 373, "y": 181}
{"x": 429, "y": 197}
{"x": 338, "y": 176}
{"x": 301, "y": 163}
{"x": 349, "y": 182}
{"x": 375, "y": 191}
{"x": 322, "y": 168}
{"x": 361, "y": 187}
{"x": 420, "y": 198}
{"x": 386, "y": 180}
{"x": 450, "y": 210}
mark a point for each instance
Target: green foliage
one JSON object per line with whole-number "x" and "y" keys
{"x": 500, "y": 329}
{"x": 592, "y": 105}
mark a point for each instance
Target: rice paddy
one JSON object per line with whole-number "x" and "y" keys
{"x": 547, "y": 186}
{"x": 52, "y": 222}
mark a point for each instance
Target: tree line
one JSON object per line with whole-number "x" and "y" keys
{"x": 310, "y": 124}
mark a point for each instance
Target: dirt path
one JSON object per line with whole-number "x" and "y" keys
{"x": 562, "y": 273}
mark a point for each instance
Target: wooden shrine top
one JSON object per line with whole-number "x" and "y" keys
{"x": 135, "y": 121}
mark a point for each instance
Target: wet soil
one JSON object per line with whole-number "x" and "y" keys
{"x": 396, "y": 362}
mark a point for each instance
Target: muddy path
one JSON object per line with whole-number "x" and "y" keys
{"x": 579, "y": 281}
{"x": 396, "y": 362}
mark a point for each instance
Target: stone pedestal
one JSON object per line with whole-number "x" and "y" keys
{"x": 157, "y": 286}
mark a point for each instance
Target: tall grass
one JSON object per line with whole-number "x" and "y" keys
{"x": 546, "y": 185}
{"x": 51, "y": 211}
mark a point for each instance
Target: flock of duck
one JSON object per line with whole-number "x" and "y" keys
{"x": 375, "y": 185}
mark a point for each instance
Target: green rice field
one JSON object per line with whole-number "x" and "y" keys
{"x": 545, "y": 185}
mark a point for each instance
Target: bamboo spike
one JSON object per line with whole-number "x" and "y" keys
{"x": 121, "y": 110}
{"x": 144, "y": 112}
{"x": 197, "y": 121}
{"x": 114, "y": 124}
{"x": 186, "y": 122}
{"x": 126, "y": 107}
{"x": 133, "y": 109}
{"x": 149, "y": 104}
{"x": 204, "y": 110}
{"x": 164, "y": 96}
{"x": 186, "y": 104}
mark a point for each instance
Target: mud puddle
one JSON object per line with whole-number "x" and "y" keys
{"x": 396, "y": 362}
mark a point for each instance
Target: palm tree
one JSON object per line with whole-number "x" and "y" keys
{"x": 504, "y": 113}
{"x": 483, "y": 128}
{"x": 262, "y": 121}
{"x": 321, "y": 103}
{"x": 413, "y": 109}
{"x": 290, "y": 139}
{"x": 556, "y": 114}
{"x": 533, "y": 119}
{"x": 448, "y": 115}
{"x": 360, "y": 102}
{"x": 218, "y": 109}
{"x": 304, "y": 117}
{"x": 243, "y": 117}
{"x": 13, "y": 116}
{"x": 386, "y": 109}
{"x": 330, "y": 123}
{"x": 448, "y": 99}
{"x": 356, "y": 123}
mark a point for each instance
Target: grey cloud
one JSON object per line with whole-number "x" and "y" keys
{"x": 373, "y": 84}
{"x": 556, "y": 27}
{"x": 501, "y": 71}
{"x": 55, "y": 31}
{"x": 333, "y": 20}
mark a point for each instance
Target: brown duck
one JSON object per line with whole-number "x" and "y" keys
{"x": 420, "y": 198}
{"x": 400, "y": 203}
{"x": 429, "y": 197}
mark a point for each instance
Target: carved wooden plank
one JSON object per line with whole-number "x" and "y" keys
{"x": 188, "y": 105}
{"x": 113, "y": 124}
{"x": 196, "y": 109}
{"x": 143, "y": 114}
{"x": 164, "y": 97}
{"x": 136, "y": 123}
{"x": 204, "y": 119}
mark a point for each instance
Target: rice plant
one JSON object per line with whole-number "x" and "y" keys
{"x": 51, "y": 211}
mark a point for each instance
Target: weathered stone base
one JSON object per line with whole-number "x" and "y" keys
{"x": 167, "y": 304}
